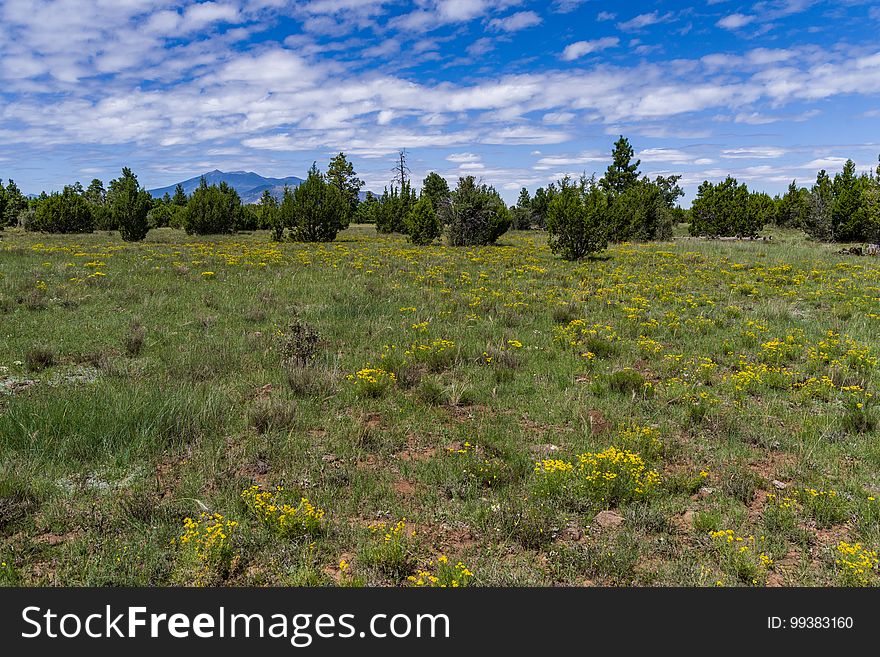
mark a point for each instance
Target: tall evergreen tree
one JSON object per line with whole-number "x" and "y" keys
{"x": 522, "y": 212}
{"x": 180, "y": 198}
{"x": 341, "y": 175}
{"x": 622, "y": 173}
{"x": 95, "y": 192}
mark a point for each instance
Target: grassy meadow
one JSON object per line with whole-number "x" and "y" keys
{"x": 239, "y": 412}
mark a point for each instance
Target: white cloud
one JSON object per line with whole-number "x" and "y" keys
{"x": 645, "y": 20}
{"x": 578, "y": 49}
{"x": 515, "y": 22}
{"x": 735, "y": 21}
{"x": 556, "y": 161}
{"x": 756, "y": 152}
{"x": 463, "y": 157}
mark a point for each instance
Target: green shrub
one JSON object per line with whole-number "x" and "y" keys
{"x": 213, "y": 210}
{"x": 129, "y": 205}
{"x": 726, "y": 209}
{"x": 67, "y": 212}
{"x": 577, "y": 220}
{"x": 476, "y": 215}
{"x": 422, "y": 223}
{"x": 315, "y": 211}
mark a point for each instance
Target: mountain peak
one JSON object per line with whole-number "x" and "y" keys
{"x": 248, "y": 184}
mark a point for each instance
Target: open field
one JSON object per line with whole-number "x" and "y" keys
{"x": 143, "y": 383}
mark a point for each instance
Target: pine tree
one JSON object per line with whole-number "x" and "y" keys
{"x": 622, "y": 173}
{"x": 522, "y": 214}
{"x": 180, "y": 198}
{"x": 341, "y": 175}
{"x": 95, "y": 192}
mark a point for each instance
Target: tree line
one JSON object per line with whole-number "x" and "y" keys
{"x": 581, "y": 216}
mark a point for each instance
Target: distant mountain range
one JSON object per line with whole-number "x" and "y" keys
{"x": 249, "y": 185}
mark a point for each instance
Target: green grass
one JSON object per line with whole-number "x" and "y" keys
{"x": 145, "y": 383}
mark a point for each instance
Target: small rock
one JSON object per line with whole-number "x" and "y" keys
{"x": 543, "y": 450}
{"x": 572, "y": 532}
{"x": 779, "y": 484}
{"x": 705, "y": 492}
{"x": 607, "y": 519}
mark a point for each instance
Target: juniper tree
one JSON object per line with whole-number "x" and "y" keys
{"x": 639, "y": 214}
{"x": 819, "y": 224}
{"x": 725, "y": 209}
{"x": 422, "y": 223}
{"x": 540, "y": 203}
{"x": 315, "y": 211}
{"x": 16, "y": 203}
{"x": 366, "y": 211}
{"x": 129, "y": 205}
{"x": 477, "y": 215}
{"x": 794, "y": 207}
{"x": 393, "y": 208}
{"x": 212, "y": 210}
{"x": 847, "y": 198}
{"x": 3, "y": 203}
{"x": 577, "y": 219}
{"x": 65, "y": 212}
{"x": 268, "y": 215}
{"x": 436, "y": 189}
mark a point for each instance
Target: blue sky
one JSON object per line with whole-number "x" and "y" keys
{"x": 518, "y": 93}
